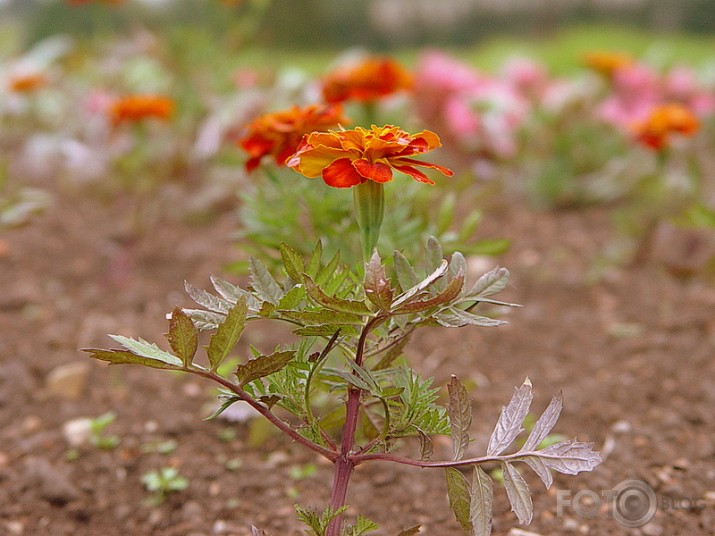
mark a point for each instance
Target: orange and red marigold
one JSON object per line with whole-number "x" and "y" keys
{"x": 350, "y": 157}
{"x": 135, "y": 108}
{"x": 663, "y": 121}
{"x": 369, "y": 80}
{"x": 27, "y": 82}
{"x": 279, "y": 133}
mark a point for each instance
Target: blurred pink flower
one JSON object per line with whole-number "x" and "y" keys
{"x": 527, "y": 77}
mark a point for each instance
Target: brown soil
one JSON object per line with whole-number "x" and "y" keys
{"x": 632, "y": 350}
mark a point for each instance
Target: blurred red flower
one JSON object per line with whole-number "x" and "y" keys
{"x": 666, "y": 119}
{"x": 350, "y": 157}
{"x": 366, "y": 81}
{"x": 133, "y": 108}
{"x": 279, "y": 133}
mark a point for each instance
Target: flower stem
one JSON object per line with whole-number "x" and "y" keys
{"x": 369, "y": 200}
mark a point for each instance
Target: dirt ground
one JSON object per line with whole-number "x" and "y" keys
{"x": 632, "y": 349}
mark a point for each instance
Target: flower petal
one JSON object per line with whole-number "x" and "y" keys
{"x": 342, "y": 174}
{"x": 414, "y": 173}
{"x": 311, "y": 161}
{"x": 377, "y": 172}
{"x": 443, "y": 170}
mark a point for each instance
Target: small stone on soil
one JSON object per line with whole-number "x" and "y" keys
{"x": 52, "y": 484}
{"x": 67, "y": 381}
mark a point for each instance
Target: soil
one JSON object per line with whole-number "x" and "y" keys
{"x": 631, "y": 348}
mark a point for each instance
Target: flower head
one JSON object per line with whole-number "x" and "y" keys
{"x": 279, "y": 133}
{"x": 134, "y": 108}
{"x": 366, "y": 81}
{"x": 664, "y": 120}
{"x": 350, "y": 157}
{"x": 606, "y": 62}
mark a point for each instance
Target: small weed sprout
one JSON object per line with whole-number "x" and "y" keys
{"x": 163, "y": 482}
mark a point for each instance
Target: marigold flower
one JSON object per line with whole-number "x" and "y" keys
{"x": 664, "y": 120}
{"x": 134, "y": 108}
{"x": 606, "y": 62}
{"x": 26, "y": 83}
{"x": 369, "y": 80}
{"x": 350, "y": 157}
{"x": 279, "y": 133}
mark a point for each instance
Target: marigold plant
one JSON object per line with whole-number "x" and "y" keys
{"x": 134, "y": 108}
{"x": 665, "y": 120}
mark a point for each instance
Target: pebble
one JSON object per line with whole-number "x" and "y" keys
{"x": 67, "y": 381}
{"x": 651, "y": 529}
{"x": 15, "y": 528}
{"x": 77, "y": 432}
{"x": 621, "y": 427}
{"x": 521, "y": 532}
{"x": 53, "y": 485}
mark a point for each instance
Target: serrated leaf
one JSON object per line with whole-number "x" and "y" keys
{"x": 292, "y": 298}
{"x": 263, "y": 366}
{"x": 230, "y": 401}
{"x": 426, "y": 448}
{"x": 263, "y": 283}
{"x": 540, "y": 469}
{"x": 459, "y": 410}
{"x": 570, "y": 457}
{"x": 353, "y": 380}
{"x": 545, "y": 423}
{"x": 227, "y": 334}
{"x": 183, "y": 336}
{"x": 510, "y": 421}
{"x": 321, "y": 317}
{"x": 332, "y": 302}
{"x": 329, "y": 270}
{"x": 406, "y": 275}
{"x": 204, "y": 320}
{"x": 482, "y": 498}
{"x": 314, "y": 262}
{"x": 457, "y": 318}
{"x": 232, "y": 293}
{"x": 457, "y": 264}
{"x": 490, "y": 283}
{"x": 147, "y": 349}
{"x": 125, "y": 357}
{"x": 362, "y": 526}
{"x": 448, "y": 294}
{"x": 207, "y": 300}
{"x": 518, "y": 493}
{"x": 410, "y": 293}
{"x": 411, "y": 531}
{"x": 377, "y": 286}
{"x": 292, "y": 262}
{"x": 459, "y": 498}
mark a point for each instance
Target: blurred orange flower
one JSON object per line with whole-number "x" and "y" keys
{"x": 27, "y": 82}
{"x": 606, "y": 62}
{"x": 279, "y": 133}
{"x": 350, "y": 157}
{"x": 666, "y": 119}
{"x": 369, "y": 80}
{"x": 81, "y": 2}
{"x": 133, "y": 108}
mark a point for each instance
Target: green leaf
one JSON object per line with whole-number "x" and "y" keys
{"x": 518, "y": 493}
{"x": 125, "y": 357}
{"x": 204, "y": 320}
{"x": 377, "y": 287}
{"x": 183, "y": 336}
{"x": 230, "y": 401}
{"x": 411, "y": 531}
{"x": 434, "y": 256}
{"x": 314, "y": 263}
{"x": 406, "y": 276}
{"x": 459, "y": 498}
{"x": 482, "y": 498}
{"x": 393, "y": 352}
{"x": 328, "y": 271}
{"x": 494, "y": 246}
{"x": 326, "y": 330}
{"x": 292, "y": 298}
{"x": 292, "y": 262}
{"x": 150, "y": 350}
{"x": 233, "y": 293}
{"x": 426, "y": 448}
{"x": 207, "y": 300}
{"x": 459, "y": 409}
{"x": 263, "y": 283}
{"x": 331, "y": 302}
{"x": 490, "y": 283}
{"x": 222, "y": 342}
{"x": 263, "y": 366}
